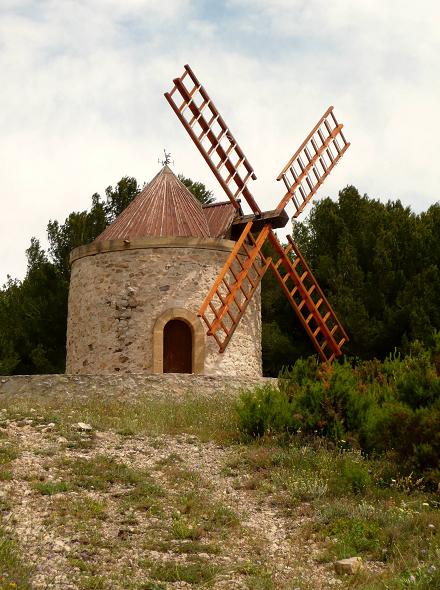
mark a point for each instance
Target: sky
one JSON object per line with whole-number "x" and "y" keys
{"x": 81, "y": 98}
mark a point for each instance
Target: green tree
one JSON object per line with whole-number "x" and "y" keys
{"x": 198, "y": 189}
{"x": 118, "y": 198}
{"x": 379, "y": 265}
{"x": 283, "y": 338}
{"x": 33, "y": 312}
{"x": 32, "y": 318}
{"x": 83, "y": 227}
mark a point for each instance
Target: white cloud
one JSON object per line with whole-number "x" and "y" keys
{"x": 83, "y": 102}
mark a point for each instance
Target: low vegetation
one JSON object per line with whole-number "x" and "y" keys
{"x": 389, "y": 409}
{"x": 353, "y": 508}
{"x": 14, "y": 573}
{"x": 200, "y": 495}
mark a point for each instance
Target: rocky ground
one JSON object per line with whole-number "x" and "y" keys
{"x": 93, "y": 534}
{"x": 90, "y": 505}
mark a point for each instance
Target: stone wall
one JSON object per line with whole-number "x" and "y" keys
{"x": 171, "y": 385}
{"x": 119, "y": 290}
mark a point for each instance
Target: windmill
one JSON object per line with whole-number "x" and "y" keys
{"x": 304, "y": 173}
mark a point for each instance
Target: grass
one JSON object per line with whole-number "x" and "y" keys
{"x": 92, "y": 582}
{"x": 345, "y": 503}
{"x": 171, "y": 459}
{"x": 100, "y": 473}
{"x": 196, "y": 572}
{"x": 180, "y": 476}
{"x": 184, "y": 529}
{"x": 49, "y": 488}
{"x": 8, "y": 453}
{"x": 193, "y": 547}
{"x": 144, "y": 497}
{"x": 197, "y": 515}
{"x": 83, "y": 509}
{"x": 13, "y": 573}
{"x": 257, "y": 576}
{"x": 357, "y": 508}
{"x": 207, "y": 419}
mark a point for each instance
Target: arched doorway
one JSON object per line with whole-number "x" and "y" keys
{"x": 177, "y": 347}
{"x": 194, "y": 323}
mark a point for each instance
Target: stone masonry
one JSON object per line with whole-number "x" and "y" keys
{"x": 120, "y": 290}
{"x": 174, "y": 386}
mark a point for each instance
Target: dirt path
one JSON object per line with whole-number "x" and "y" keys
{"x": 207, "y": 527}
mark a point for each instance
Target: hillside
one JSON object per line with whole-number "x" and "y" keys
{"x": 148, "y": 493}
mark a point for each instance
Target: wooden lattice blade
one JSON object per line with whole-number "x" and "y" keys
{"x": 313, "y": 161}
{"x": 235, "y": 286}
{"x": 212, "y": 136}
{"x": 307, "y": 299}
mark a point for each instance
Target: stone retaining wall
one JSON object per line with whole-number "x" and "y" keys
{"x": 173, "y": 385}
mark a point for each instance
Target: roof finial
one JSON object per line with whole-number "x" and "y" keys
{"x": 167, "y": 159}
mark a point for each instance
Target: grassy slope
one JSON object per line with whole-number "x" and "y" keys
{"x": 160, "y": 495}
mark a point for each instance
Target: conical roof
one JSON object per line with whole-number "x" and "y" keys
{"x": 165, "y": 207}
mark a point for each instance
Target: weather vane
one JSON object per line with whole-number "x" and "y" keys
{"x": 167, "y": 159}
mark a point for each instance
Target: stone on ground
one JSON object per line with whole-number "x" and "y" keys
{"x": 350, "y": 565}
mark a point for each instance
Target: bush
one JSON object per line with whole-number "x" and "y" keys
{"x": 266, "y": 410}
{"x": 325, "y": 398}
{"x": 389, "y": 408}
{"x": 308, "y": 398}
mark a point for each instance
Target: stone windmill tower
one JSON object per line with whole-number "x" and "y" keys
{"x": 136, "y": 290}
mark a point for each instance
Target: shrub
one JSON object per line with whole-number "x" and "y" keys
{"x": 391, "y": 407}
{"x": 412, "y": 436}
{"x": 354, "y": 536}
{"x": 354, "y": 476}
{"x": 324, "y": 398}
{"x": 418, "y": 386}
{"x": 266, "y": 410}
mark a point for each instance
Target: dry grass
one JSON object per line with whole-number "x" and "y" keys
{"x": 164, "y": 496}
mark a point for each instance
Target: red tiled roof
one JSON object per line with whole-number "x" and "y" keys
{"x": 219, "y": 217}
{"x": 165, "y": 207}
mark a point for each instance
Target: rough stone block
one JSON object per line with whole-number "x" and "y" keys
{"x": 351, "y": 565}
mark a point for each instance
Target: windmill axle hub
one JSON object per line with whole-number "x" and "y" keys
{"x": 275, "y": 217}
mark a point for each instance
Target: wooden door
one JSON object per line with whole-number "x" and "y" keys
{"x": 177, "y": 347}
